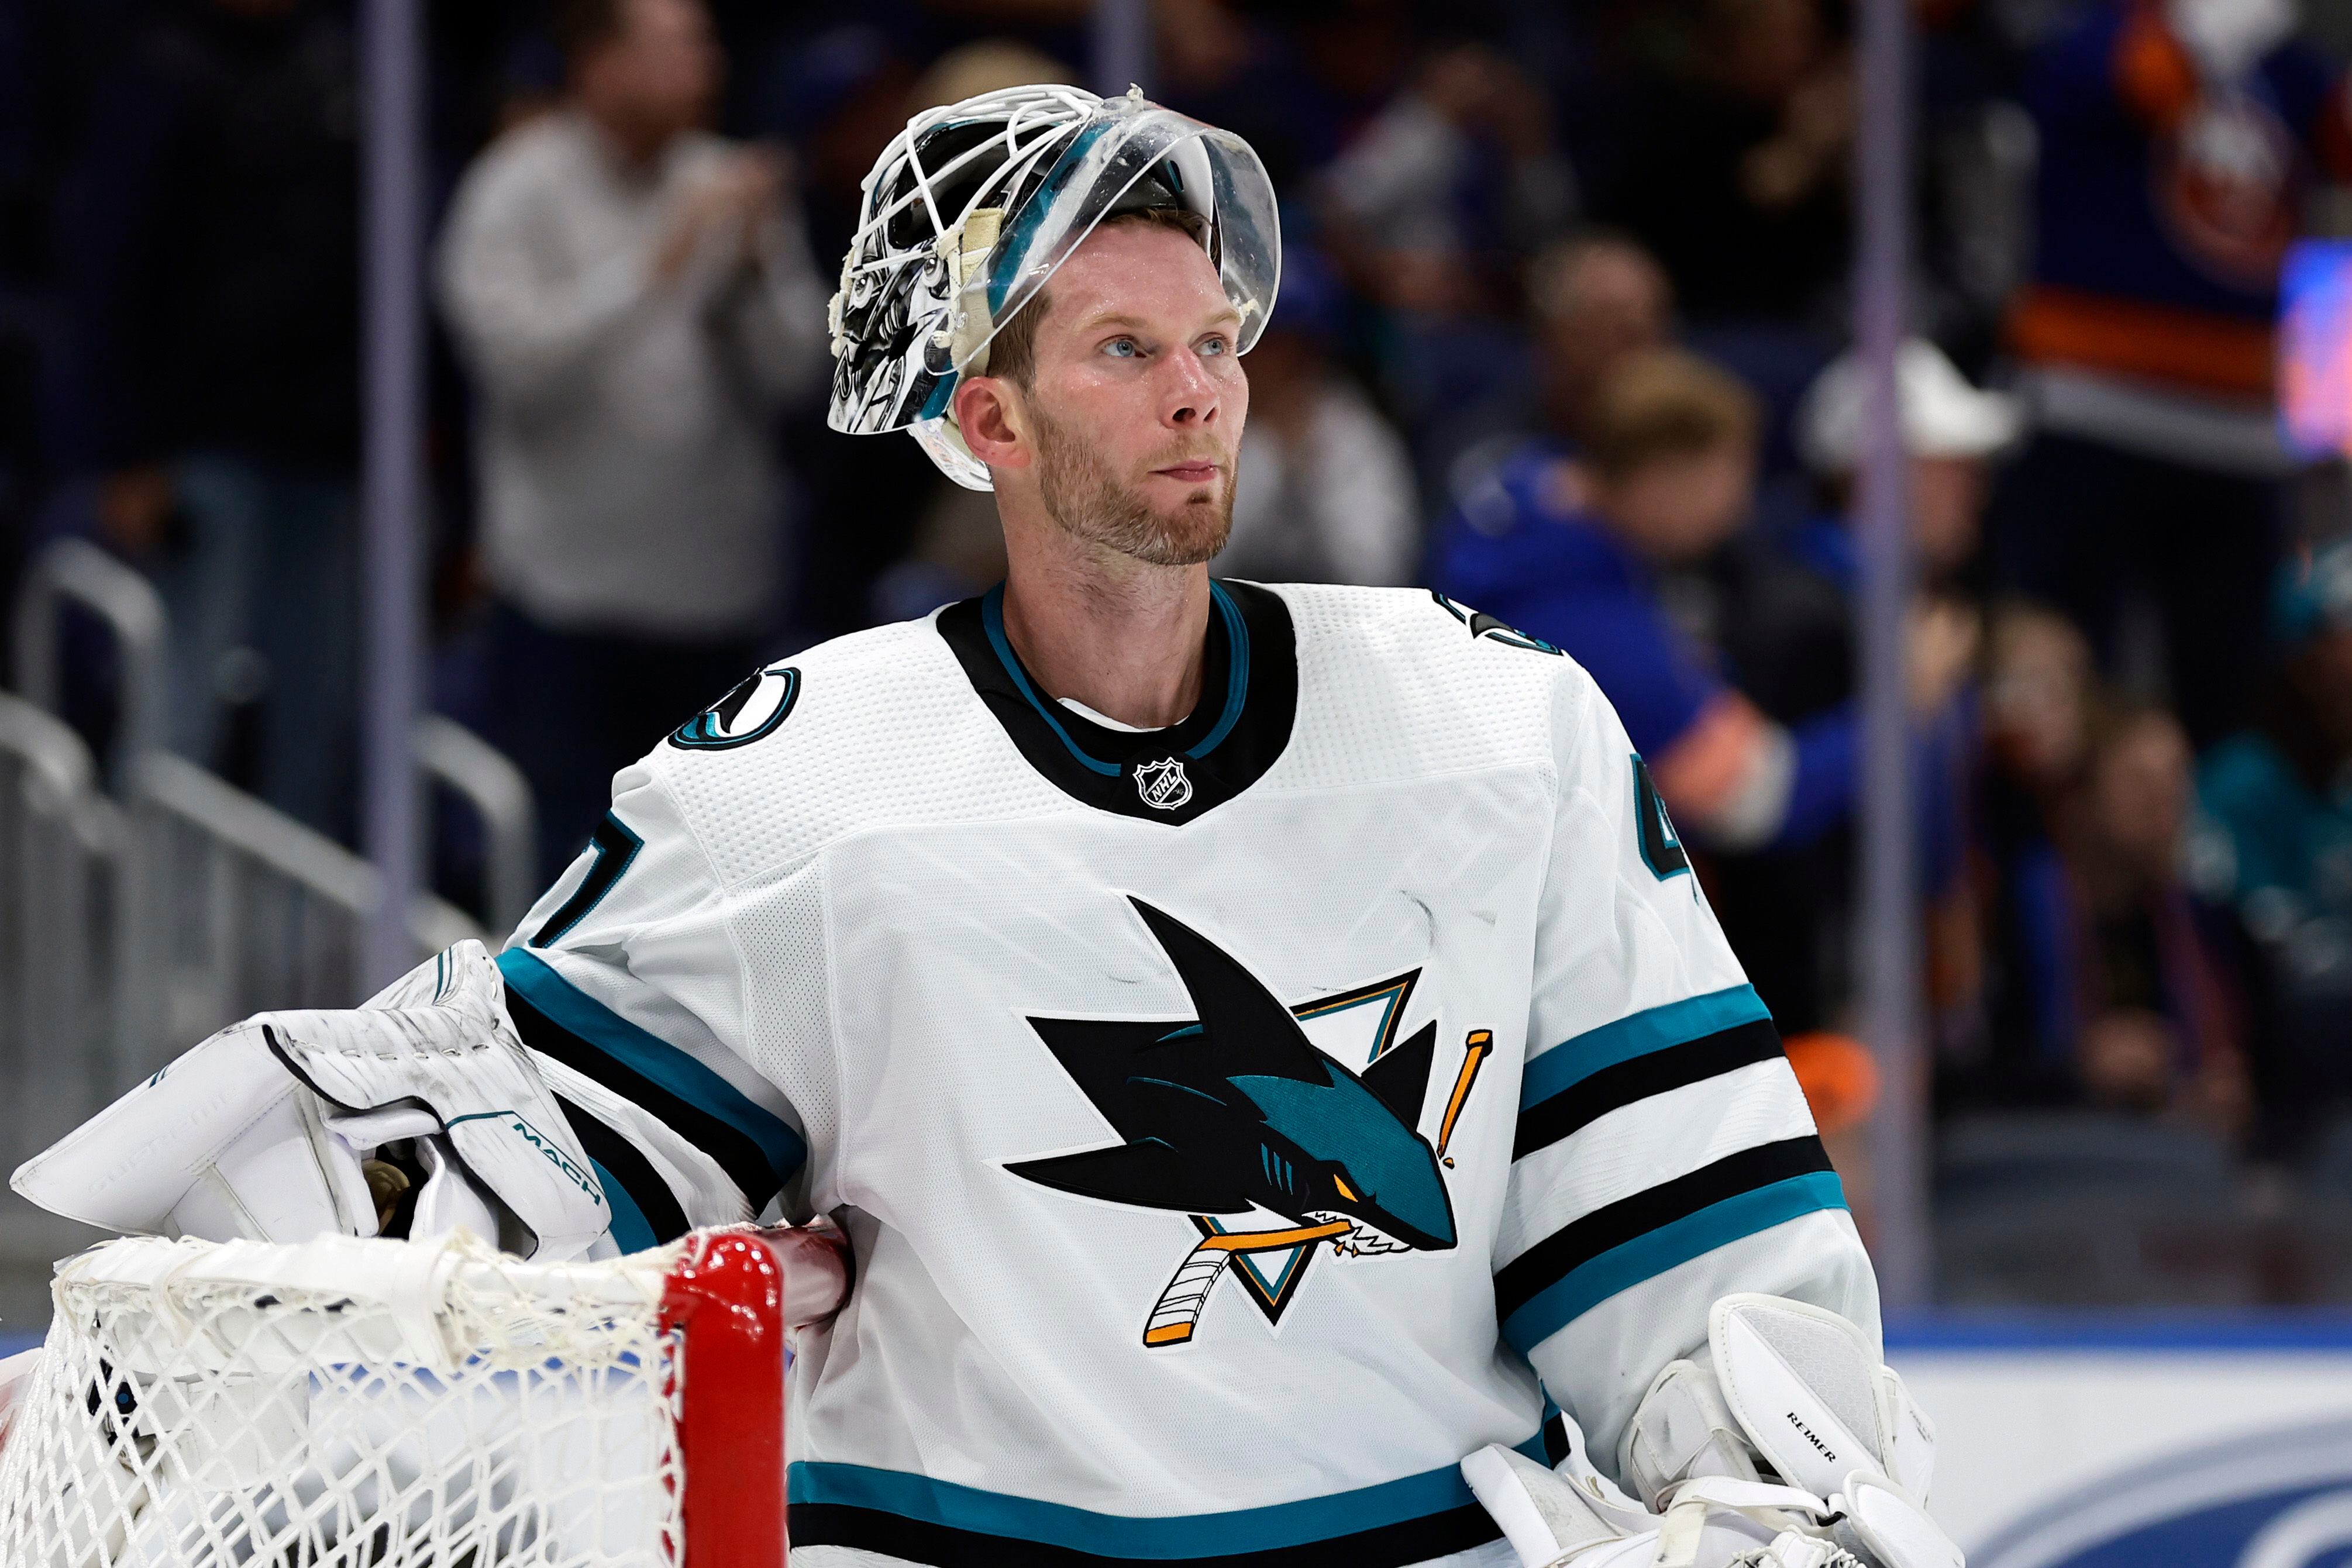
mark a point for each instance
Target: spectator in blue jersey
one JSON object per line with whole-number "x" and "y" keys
{"x": 1580, "y": 550}
{"x": 2277, "y": 803}
{"x": 1570, "y": 549}
{"x": 2179, "y": 143}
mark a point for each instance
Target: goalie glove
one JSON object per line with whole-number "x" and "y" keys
{"x": 265, "y": 1129}
{"x": 1791, "y": 1446}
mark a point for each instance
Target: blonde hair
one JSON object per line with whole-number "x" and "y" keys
{"x": 1667, "y": 403}
{"x": 986, "y": 64}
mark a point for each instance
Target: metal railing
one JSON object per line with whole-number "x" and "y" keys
{"x": 215, "y": 905}
{"x": 75, "y": 571}
{"x": 145, "y": 902}
{"x": 259, "y": 910}
{"x": 494, "y": 790}
{"x": 59, "y": 852}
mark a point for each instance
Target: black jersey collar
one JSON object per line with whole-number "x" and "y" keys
{"x": 1249, "y": 695}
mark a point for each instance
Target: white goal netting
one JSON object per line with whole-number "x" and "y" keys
{"x": 347, "y": 1404}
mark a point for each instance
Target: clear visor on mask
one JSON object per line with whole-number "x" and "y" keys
{"x": 1206, "y": 171}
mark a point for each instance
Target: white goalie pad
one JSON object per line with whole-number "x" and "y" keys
{"x": 1807, "y": 1388}
{"x": 1890, "y": 1528}
{"x": 1573, "y": 1518}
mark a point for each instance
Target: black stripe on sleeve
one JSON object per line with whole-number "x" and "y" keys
{"x": 628, "y": 1164}
{"x": 1613, "y": 1225}
{"x": 737, "y": 1154}
{"x": 945, "y": 1546}
{"x": 1709, "y": 1056}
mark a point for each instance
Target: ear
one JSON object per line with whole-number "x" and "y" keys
{"x": 988, "y": 412}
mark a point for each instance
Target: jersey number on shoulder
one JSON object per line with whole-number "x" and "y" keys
{"x": 614, "y": 847}
{"x": 1661, "y": 847}
{"x": 1482, "y": 624}
{"x": 753, "y": 709}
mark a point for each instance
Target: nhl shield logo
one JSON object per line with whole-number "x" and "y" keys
{"x": 1162, "y": 784}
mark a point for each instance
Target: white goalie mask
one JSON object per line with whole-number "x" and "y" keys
{"x": 971, "y": 208}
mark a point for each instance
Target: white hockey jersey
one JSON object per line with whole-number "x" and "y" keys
{"x": 1236, "y": 1123}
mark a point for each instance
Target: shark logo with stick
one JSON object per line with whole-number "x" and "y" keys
{"x": 1239, "y": 1112}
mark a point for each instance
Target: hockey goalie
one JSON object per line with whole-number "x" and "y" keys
{"x": 1285, "y": 1092}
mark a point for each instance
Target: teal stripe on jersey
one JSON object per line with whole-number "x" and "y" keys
{"x": 1638, "y": 1034}
{"x": 630, "y": 1231}
{"x": 569, "y": 1007}
{"x": 1174, "y": 1538}
{"x": 1645, "y": 1257}
{"x": 991, "y": 613}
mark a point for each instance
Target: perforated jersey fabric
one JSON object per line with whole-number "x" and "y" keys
{"x": 1227, "y": 1150}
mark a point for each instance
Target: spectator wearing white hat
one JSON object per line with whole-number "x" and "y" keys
{"x": 1786, "y": 626}
{"x": 1950, "y": 427}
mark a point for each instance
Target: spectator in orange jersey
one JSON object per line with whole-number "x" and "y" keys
{"x": 2179, "y": 139}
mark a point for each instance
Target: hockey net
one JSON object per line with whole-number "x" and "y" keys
{"x": 377, "y": 1404}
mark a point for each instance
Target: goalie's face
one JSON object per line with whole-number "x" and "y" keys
{"x": 1125, "y": 425}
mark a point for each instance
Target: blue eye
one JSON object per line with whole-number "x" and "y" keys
{"x": 1215, "y": 345}
{"x": 1122, "y": 348}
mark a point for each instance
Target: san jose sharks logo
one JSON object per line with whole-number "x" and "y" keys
{"x": 753, "y": 709}
{"x": 1238, "y": 1112}
{"x": 1482, "y": 624}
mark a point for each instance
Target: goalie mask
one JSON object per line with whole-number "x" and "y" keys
{"x": 971, "y": 208}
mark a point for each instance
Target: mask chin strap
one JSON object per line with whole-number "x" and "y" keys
{"x": 943, "y": 443}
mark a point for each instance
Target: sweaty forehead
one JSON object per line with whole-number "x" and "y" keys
{"x": 1144, "y": 272}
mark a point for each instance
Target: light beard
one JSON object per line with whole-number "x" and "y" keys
{"x": 1091, "y": 503}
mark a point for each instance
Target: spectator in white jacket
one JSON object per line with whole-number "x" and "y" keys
{"x": 634, "y": 303}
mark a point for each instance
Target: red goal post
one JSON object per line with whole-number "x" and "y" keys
{"x": 734, "y": 1298}
{"x": 412, "y": 1403}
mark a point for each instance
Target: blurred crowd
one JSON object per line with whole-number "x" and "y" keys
{"x": 1563, "y": 334}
